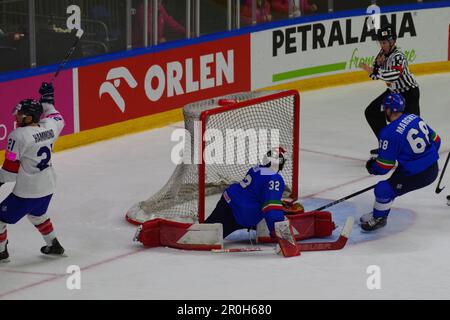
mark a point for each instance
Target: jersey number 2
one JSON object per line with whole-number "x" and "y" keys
{"x": 44, "y": 162}
{"x": 246, "y": 182}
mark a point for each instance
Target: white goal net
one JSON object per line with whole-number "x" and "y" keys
{"x": 222, "y": 141}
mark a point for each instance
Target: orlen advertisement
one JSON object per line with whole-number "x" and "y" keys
{"x": 147, "y": 84}
{"x": 12, "y": 92}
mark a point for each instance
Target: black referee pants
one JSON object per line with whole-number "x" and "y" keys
{"x": 377, "y": 119}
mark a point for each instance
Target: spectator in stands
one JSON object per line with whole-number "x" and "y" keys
{"x": 263, "y": 13}
{"x": 14, "y": 49}
{"x": 108, "y": 28}
{"x": 164, "y": 20}
{"x": 301, "y": 7}
{"x": 307, "y": 8}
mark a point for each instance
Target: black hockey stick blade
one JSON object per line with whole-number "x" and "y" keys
{"x": 438, "y": 188}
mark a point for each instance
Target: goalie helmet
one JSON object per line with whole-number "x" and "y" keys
{"x": 31, "y": 108}
{"x": 275, "y": 159}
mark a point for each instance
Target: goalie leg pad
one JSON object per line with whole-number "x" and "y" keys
{"x": 286, "y": 240}
{"x": 324, "y": 225}
{"x": 314, "y": 224}
{"x": 188, "y": 236}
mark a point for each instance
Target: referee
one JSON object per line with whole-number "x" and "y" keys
{"x": 391, "y": 66}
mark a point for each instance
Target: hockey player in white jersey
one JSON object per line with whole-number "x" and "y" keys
{"x": 28, "y": 163}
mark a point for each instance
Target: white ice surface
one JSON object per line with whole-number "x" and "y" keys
{"x": 99, "y": 182}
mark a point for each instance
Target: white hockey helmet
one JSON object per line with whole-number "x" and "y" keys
{"x": 275, "y": 159}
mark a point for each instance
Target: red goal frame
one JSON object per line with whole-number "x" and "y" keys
{"x": 295, "y": 148}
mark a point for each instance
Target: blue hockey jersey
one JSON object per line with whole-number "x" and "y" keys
{"x": 257, "y": 197}
{"x": 409, "y": 141}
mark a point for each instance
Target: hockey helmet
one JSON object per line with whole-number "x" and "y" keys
{"x": 395, "y": 102}
{"x": 29, "y": 107}
{"x": 386, "y": 33}
{"x": 275, "y": 159}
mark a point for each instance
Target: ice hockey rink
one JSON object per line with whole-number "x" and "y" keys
{"x": 98, "y": 183}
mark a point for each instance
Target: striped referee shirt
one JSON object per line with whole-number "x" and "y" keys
{"x": 394, "y": 72}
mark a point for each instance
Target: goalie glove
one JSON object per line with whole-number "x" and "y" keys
{"x": 291, "y": 207}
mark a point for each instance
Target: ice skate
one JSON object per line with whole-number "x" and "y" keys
{"x": 4, "y": 255}
{"x": 54, "y": 249}
{"x": 373, "y": 223}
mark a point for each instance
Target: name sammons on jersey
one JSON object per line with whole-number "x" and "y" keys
{"x": 314, "y": 36}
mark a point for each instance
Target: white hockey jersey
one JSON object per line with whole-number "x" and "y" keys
{"x": 30, "y": 149}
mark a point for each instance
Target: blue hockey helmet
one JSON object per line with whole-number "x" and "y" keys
{"x": 394, "y": 101}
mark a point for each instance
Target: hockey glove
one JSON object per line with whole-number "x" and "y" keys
{"x": 47, "y": 93}
{"x": 292, "y": 207}
{"x": 369, "y": 165}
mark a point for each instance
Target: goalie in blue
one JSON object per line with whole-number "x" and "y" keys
{"x": 410, "y": 142}
{"x": 258, "y": 196}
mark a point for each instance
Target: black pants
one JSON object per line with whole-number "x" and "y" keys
{"x": 224, "y": 214}
{"x": 377, "y": 119}
{"x": 403, "y": 184}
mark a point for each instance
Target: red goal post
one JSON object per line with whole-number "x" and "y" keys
{"x": 257, "y": 101}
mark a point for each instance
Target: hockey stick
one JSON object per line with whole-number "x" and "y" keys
{"x": 236, "y": 250}
{"x": 333, "y": 245}
{"x": 78, "y": 36}
{"x": 312, "y": 246}
{"x": 345, "y": 198}
{"x": 316, "y": 246}
{"x": 438, "y": 190}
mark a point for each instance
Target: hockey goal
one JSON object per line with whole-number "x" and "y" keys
{"x": 219, "y": 148}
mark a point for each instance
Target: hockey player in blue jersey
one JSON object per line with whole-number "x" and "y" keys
{"x": 410, "y": 142}
{"x": 258, "y": 196}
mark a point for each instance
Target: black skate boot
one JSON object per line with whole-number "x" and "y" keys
{"x": 365, "y": 217}
{"x": 4, "y": 255}
{"x": 373, "y": 223}
{"x": 54, "y": 249}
